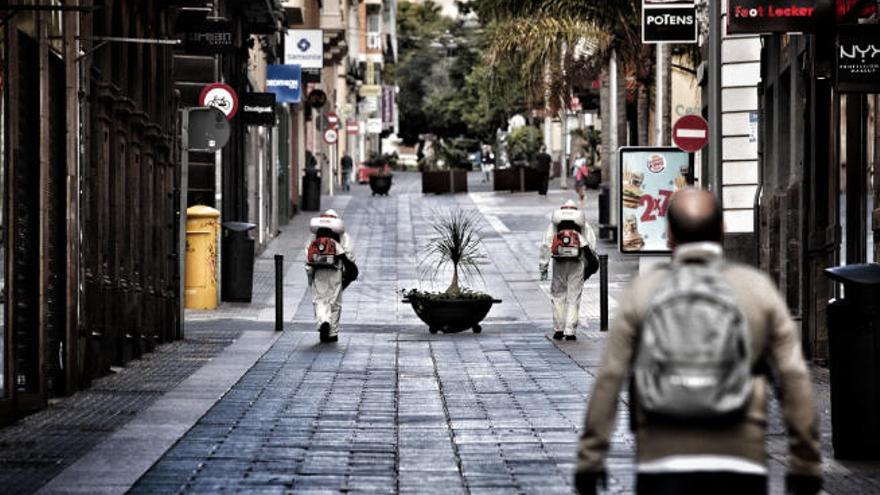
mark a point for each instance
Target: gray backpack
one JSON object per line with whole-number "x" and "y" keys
{"x": 693, "y": 358}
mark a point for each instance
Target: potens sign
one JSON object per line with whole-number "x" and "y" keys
{"x": 669, "y": 22}
{"x": 777, "y": 16}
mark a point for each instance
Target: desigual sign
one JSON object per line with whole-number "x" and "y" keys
{"x": 777, "y": 16}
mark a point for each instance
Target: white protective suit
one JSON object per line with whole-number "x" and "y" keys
{"x": 326, "y": 285}
{"x": 567, "y": 284}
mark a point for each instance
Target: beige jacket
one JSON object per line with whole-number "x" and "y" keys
{"x": 774, "y": 337}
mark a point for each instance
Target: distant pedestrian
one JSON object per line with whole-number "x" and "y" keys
{"x": 347, "y": 166}
{"x": 330, "y": 267}
{"x": 570, "y": 244}
{"x": 698, "y": 336}
{"x": 581, "y": 175}
{"x": 544, "y": 162}
{"x": 487, "y": 162}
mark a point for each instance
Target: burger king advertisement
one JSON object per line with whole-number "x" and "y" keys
{"x": 649, "y": 178}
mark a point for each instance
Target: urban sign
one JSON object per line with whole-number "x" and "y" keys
{"x": 777, "y": 16}
{"x": 690, "y": 133}
{"x": 258, "y": 109}
{"x": 304, "y": 47}
{"x": 211, "y": 36}
{"x": 331, "y": 136}
{"x": 858, "y": 59}
{"x": 220, "y": 96}
{"x": 649, "y": 178}
{"x": 665, "y": 21}
{"x": 285, "y": 81}
{"x": 332, "y": 120}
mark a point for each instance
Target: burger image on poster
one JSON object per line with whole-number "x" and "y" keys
{"x": 632, "y": 188}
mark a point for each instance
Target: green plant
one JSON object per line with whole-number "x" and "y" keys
{"x": 457, "y": 242}
{"x": 524, "y": 144}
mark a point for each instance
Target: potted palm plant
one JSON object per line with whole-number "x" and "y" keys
{"x": 456, "y": 245}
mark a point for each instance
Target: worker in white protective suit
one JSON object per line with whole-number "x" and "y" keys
{"x": 570, "y": 244}
{"x": 330, "y": 266}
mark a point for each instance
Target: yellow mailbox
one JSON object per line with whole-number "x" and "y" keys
{"x": 202, "y": 224}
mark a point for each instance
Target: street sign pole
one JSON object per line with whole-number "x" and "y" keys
{"x": 710, "y": 170}
{"x": 660, "y": 95}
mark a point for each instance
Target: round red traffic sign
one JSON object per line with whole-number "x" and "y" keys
{"x": 331, "y": 136}
{"x": 352, "y": 127}
{"x": 333, "y": 120}
{"x": 220, "y": 96}
{"x": 690, "y": 133}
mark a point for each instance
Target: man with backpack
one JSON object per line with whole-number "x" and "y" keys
{"x": 701, "y": 338}
{"x": 330, "y": 268}
{"x": 570, "y": 243}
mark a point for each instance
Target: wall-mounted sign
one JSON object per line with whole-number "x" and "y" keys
{"x": 210, "y": 36}
{"x": 370, "y": 90}
{"x": 220, "y": 96}
{"x": 304, "y": 47}
{"x": 774, "y": 16}
{"x": 669, "y": 22}
{"x": 374, "y": 126}
{"x": 316, "y": 98}
{"x": 649, "y": 178}
{"x": 285, "y": 81}
{"x": 258, "y": 109}
{"x": 388, "y": 104}
{"x": 858, "y": 59}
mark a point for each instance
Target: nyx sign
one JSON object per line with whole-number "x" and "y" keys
{"x": 777, "y": 16}
{"x": 858, "y": 59}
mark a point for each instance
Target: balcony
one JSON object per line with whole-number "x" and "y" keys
{"x": 294, "y": 10}
{"x": 374, "y": 42}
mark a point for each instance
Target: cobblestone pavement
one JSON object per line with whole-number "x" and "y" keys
{"x": 393, "y": 409}
{"x": 40, "y": 446}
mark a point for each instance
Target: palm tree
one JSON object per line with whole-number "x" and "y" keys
{"x": 605, "y": 25}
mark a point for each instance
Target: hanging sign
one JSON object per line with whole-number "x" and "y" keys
{"x": 220, "y": 96}
{"x": 211, "y": 36}
{"x": 669, "y": 22}
{"x": 285, "y": 81}
{"x": 374, "y": 126}
{"x": 316, "y": 98}
{"x": 858, "y": 59}
{"x": 258, "y": 109}
{"x": 776, "y": 16}
{"x": 649, "y": 178}
{"x": 304, "y": 47}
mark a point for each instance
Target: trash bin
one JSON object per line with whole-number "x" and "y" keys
{"x": 200, "y": 283}
{"x": 238, "y": 262}
{"x": 854, "y": 351}
{"x": 311, "y": 197}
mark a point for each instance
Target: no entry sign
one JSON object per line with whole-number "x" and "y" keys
{"x": 352, "y": 127}
{"x": 690, "y": 133}
{"x": 333, "y": 120}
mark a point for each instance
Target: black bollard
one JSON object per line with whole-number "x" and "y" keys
{"x": 603, "y": 292}
{"x": 279, "y": 293}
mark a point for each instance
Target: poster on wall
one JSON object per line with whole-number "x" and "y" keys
{"x": 649, "y": 178}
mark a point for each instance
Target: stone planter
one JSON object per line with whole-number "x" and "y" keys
{"x": 516, "y": 179}
{"x": 451, "y": 315}
{"x": 444, "y": 182}
{"x": 380, "y": 184}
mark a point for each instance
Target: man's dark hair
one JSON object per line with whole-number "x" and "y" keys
{"x": 695, "y": 216}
